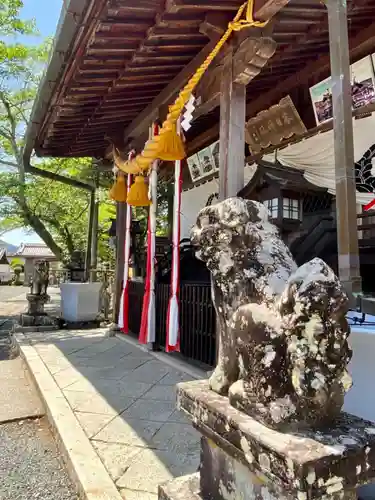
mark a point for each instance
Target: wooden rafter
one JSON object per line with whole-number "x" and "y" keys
{"x": 130, "y": 58}
{"x": 362, "y": 43}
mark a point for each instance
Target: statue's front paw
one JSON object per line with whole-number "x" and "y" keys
{"x": 219, "y": 383}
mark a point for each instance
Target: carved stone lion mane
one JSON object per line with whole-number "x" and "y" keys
{"x": 283, "y": 348}
{"x": 40, "y": 278}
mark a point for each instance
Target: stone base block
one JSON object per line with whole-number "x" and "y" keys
{"x": 243, "y": 459}
{"x": 222, "y": 477}
{"x": 27, "y": 320}
{"x": 79, "y": 325}
{"x": 181, "y": 488}
{"x": 32, "y": 329}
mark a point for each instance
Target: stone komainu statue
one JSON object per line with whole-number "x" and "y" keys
{"x": 40, "y": 278}
{"x": 283, "y": 350}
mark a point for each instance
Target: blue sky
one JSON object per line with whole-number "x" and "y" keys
{"x": 46, "y": 13}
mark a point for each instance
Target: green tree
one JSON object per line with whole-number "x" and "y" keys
{"x": 10, "y": 21}
{"x": 18, "y": 267}
{"x": 56, "y": 212}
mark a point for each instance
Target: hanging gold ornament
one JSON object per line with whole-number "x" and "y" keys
{"x": 118, "y": 190}
{"x": 138, "y": 193}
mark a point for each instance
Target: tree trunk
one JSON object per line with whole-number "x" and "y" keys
{"x": 44, "y": 234}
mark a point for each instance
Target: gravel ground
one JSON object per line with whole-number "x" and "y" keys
{"x": 31, "y": 467}
{"x": 30, "y": 464}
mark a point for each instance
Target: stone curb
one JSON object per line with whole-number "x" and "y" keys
{"x": 84, "y": 466}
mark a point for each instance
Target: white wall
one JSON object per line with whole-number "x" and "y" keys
{"x": 5, "y": 272}
{"x": 192, "y": 201}
{"x": 195, "y": 199}
{"x": 360, "y": 400}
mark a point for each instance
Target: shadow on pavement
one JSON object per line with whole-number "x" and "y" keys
{"x": 125, "y": 401}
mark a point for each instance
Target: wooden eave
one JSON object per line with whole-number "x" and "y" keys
{"x": 129, "y": 51}
{"x": 288, "y": 179}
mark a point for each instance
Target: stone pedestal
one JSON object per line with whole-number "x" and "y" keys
{"x": 36, "y": 316}
{"x": 36, "y": 304}
{"x": 245, "y": 460}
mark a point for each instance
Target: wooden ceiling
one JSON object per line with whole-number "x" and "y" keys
{"x": 128, "y": 52}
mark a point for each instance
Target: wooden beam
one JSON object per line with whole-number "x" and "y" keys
{"x": 360, "y": 45}
{"x": 248, "y": 60}
{"x": 213, "y": 25}
{"x": 266, "y": 9}
{"x": 149, "y": 114}
{"x": 232, "y": 132}
{"x": 263, "y": 9}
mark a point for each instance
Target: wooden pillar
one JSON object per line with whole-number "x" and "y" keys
{"x": 89, "y": 235}
{"x": 94, "y": 242}
{"x": 232, "y": 133}
{"x": 120, "y": 247}
{"x": 346, "y": 213}
{"x": 232, "y": 141}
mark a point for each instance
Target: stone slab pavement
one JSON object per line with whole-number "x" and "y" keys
{"x": 124, "y": 400}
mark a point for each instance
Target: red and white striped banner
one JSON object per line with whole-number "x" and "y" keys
{"x": 173, "y": 328}
{"x": 147, "y": 331}
{"x": 369, "y": 206}
{"x": 173, "y": 321}
{"x": 123, "y": 320}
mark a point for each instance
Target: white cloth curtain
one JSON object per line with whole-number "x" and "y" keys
{"x": 316, "y": 156}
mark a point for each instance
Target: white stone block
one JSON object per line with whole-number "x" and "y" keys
{"x": 80, "y": 301}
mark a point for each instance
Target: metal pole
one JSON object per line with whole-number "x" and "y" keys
{"x": 346, "y": 213}
{"x": 89, "y": 235}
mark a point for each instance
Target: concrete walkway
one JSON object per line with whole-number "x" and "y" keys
{"x": 123, "y": 399}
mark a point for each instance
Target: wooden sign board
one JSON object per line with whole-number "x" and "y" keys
{"x": 273, "y": 125}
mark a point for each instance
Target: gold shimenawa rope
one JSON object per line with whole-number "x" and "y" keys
{"x": 154, "y": 148}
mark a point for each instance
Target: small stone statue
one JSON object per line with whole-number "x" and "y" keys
{"x": 283, "y": 349}
{"x": 40, "y": 278}
{"x": 75, "y": 269}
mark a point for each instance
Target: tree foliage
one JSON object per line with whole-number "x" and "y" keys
{"x": 10, "y": 21}
{"x": 57, "y": 212}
